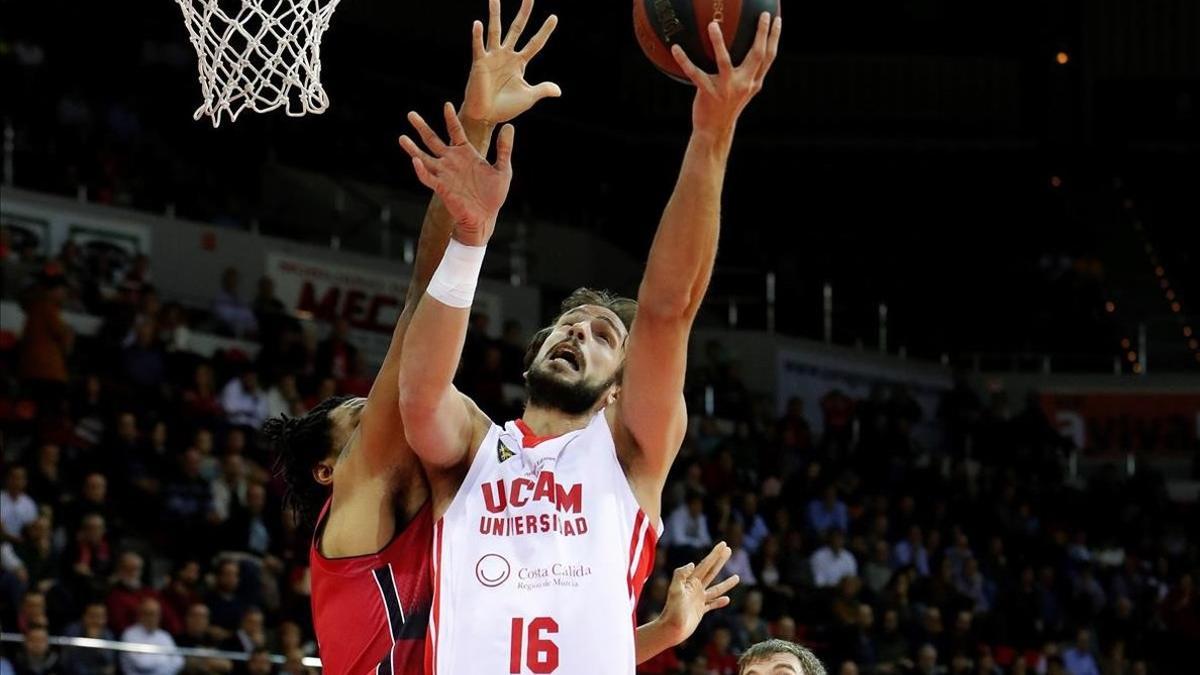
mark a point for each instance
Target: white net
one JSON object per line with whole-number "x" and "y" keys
{"x": 258, "y": 54}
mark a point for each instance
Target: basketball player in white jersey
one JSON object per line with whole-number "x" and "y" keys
{"x": 546, "y": 527}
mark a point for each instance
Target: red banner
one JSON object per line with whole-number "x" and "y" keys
{"x": 1113, "y": 423}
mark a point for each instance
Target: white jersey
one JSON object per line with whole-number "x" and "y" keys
{"x": 539, "y": 559}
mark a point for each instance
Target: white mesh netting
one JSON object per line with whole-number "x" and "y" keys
{"x": 258, "y": 54}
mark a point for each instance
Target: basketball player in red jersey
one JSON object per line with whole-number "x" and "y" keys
{"x": 350, "y": 472}
{"x": 569, "y": 494}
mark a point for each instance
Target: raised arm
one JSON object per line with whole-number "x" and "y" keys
{"x": 441, "y": 422}
{"x": 496, "y": 92}
{"x": 689, "y": 598}
{"x": 650, "y": 414}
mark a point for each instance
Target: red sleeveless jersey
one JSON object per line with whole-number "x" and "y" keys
{"x": 371, "y": 611}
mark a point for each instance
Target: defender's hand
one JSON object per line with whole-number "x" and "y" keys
{"x": 496, "y": 89}
{"x": 472, "y": 190}
{"x": 690, "y": 596}
{"x": 721, "y": 98}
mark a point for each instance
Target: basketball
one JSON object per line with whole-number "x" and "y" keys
{"x": 658, "y": 24}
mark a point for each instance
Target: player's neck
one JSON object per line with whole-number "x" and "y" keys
{"x": 552, "y": 422}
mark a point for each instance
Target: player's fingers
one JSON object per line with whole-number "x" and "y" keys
{"x": 712, "y": 562}
{"x": 518, "y": 24}
{"x": 722, "y": 588}
{"x": 504, "y": 148}
{"x": 724, "y": 63}
{"x": 697, "y": 76}
{"x": 477, "y": 48}
{"x": 682, "y": 572}
{"x": 458, "y": 135}
{"x": 539, "y": 39}
{"x": 772, "y": 49}
{"x": 410, "y": 146}
{"x": 493, "y": 24}
{"x": 546, "y": 90}
{"x": 720, "y": 602}
{"x": 758, "y": 52}
{"x": 427, "y": 134}
{"x": 425, "y": 174}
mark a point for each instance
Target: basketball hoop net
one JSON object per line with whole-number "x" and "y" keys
{"x": 258, "y": 54}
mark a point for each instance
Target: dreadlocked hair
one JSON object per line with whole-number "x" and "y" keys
{"x": 299, "y": 443}
{"x": 624, "y": 308}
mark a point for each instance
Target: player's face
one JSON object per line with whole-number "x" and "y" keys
{"x": 345, "y": 420}
{"x": 582, "y": 355}
{"x": 777, "y": 664}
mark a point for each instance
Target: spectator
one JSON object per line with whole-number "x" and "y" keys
{"x": 892, "y": 647}
{"x": 46, "y": 343}
{"x": 1079, "y": 659}
{"x": 259, "y": 663}
{"x": 739, "y": 561}
{"x": 244, "y": 403}
{"x": 187, "y": 503}
{"x": 718, "y": 652}
{"x": 249, "y": 530}
{"x": 911, "y": 551}
{"x": 182, "y": 592}
{"x": 269, "y": 311}
{"x": 147, "y": 631}
{"x": 234, "y": 316}
{"x": 126, "y": 598}
{"x": 37, "y": 553}
{"x": 90, "y": 557}
{"x": 927, "y": 661}
{"x": 229, "y": 491}
{"x": 753, "y": 525}
{"x": 828, "y": 513}
{"x": 82, "y": 661}
{"x": 250, "y": 635}
{"x": 174, "y": 333}
{"x": 33, "y": 611}
{"x": 143, "y": 361}
{"x": 201, "y": 404}
{"x": 335, "y": 354}
{"x": 832, "y": 562}
{"x": 750, "y": 627}
{"x": 687, "y": 529}
{"x": 17, "y": 509}
{"x": 877, "y": 572}
{"x": 197, "y": 634}
{"x": 36, "y": 656}
{"x": 224, "y": 602}
{"x": 284, "y": 397}
{"x": 93, "y": 499}
{"x": 46, "y": 484}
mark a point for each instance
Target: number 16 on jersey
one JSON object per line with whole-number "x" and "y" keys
{"x": 532, "y": 646}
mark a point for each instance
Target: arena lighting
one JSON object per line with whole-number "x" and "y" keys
{"x": 1062, "y": 58}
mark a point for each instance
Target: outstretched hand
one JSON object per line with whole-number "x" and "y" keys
{"x": 692, "y": 595}
{"x": 496, "y": 89}
{"x": 472, "y": 189}
{"x": 720, "y": 98}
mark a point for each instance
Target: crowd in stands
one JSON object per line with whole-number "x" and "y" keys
{"x": 139, "y": 504}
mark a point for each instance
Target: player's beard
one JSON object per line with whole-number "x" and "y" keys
{"x": 571, "y": 398}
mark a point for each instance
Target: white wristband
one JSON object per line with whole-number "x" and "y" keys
{"x": 454, "y": 281}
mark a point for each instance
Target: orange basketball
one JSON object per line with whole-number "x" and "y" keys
{"x": 658, "y": 24}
